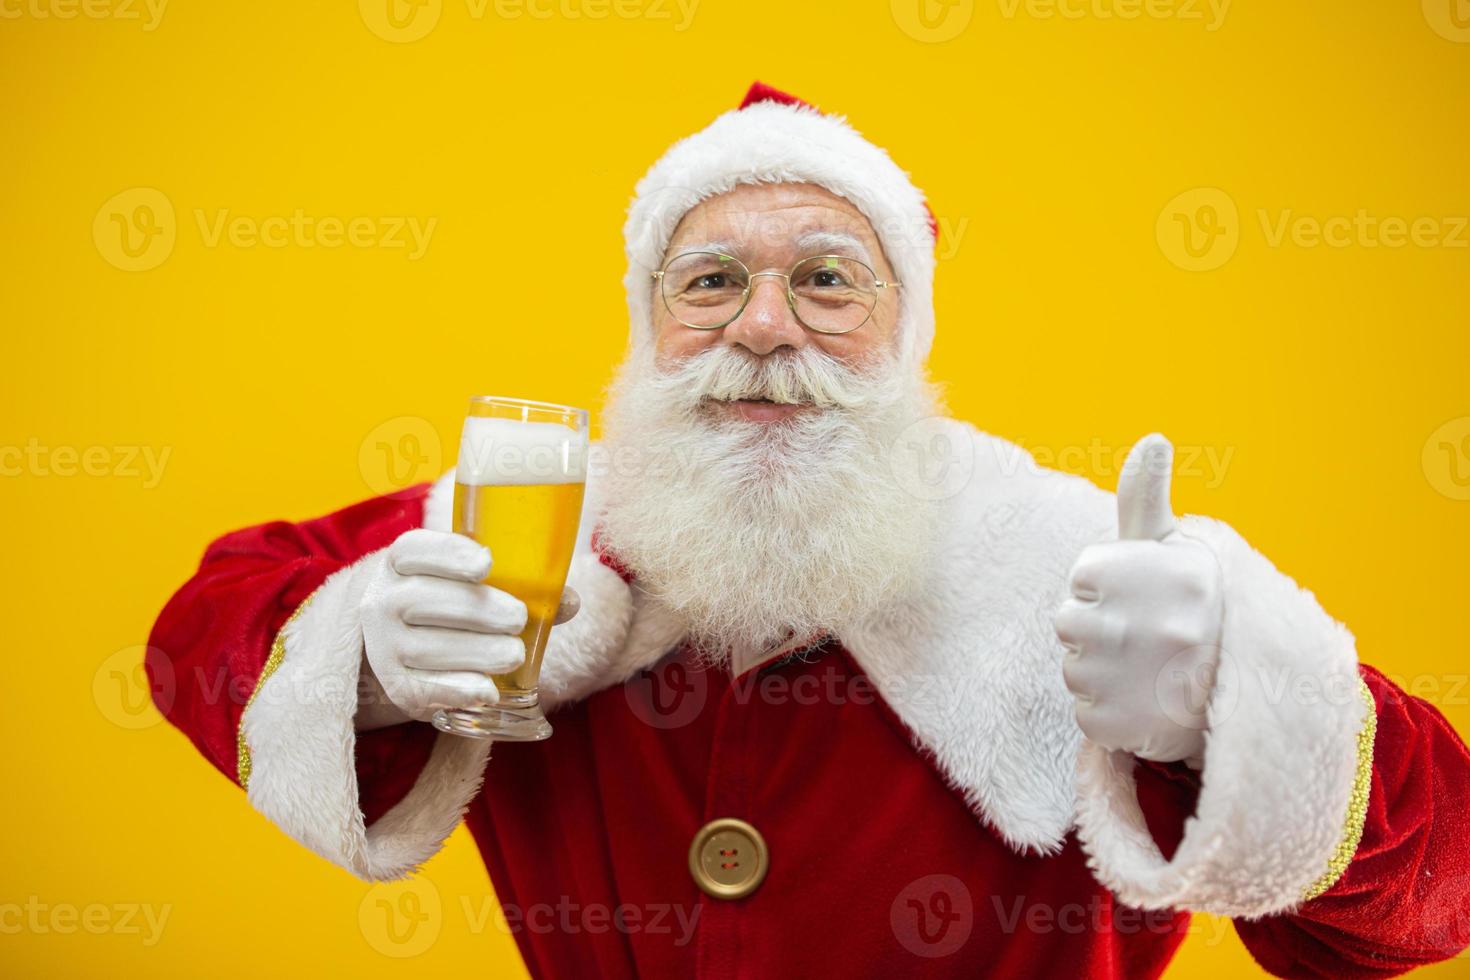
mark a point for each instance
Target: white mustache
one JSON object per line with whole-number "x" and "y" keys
{"x": 803, "y": 377}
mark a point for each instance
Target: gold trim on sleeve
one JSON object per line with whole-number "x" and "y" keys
{"x": 1357, "y": 806}
{"x": 273, "y": 661}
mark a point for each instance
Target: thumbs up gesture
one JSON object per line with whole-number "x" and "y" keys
{"x": 1141, "y": 628}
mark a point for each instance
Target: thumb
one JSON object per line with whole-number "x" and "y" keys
{"x": 1144, "y": 512}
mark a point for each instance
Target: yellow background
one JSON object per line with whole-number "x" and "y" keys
{"x": 271, "y": 374}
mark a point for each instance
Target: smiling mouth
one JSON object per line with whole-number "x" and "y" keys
{"x": 757, "y": 409}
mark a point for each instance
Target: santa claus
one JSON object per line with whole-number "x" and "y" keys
{"x": 853, "y": 688}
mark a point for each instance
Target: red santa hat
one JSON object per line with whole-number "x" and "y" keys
{"x": 774, "y": 137}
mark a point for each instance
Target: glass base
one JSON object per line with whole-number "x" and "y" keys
{"x": 502, "y": 723}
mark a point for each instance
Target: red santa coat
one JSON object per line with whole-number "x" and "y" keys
{"x": 949, "y": 820}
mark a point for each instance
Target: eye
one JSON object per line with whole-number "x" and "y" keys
{"x": 827, "y": 277}
{"x": 704, "y": 274}
{"x": 830, "y": 275}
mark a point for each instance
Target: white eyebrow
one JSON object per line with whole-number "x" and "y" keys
{"x": 833, "y": 243}
{"x": 810, "y": 243}
{"x": 724, "y": 248}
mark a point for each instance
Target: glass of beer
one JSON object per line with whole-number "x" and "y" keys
{"x": 518, "y": 491}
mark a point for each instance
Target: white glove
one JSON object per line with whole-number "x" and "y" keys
{"x": 1142, "y": 628}
{"x": 433, "y": 632}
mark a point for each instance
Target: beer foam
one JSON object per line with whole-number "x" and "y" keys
{"x": 507, "y": 452}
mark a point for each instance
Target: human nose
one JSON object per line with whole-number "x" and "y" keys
{"x": 767, "y": 322}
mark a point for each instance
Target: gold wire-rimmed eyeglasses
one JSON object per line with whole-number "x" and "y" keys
{"x": 832, "y": 294}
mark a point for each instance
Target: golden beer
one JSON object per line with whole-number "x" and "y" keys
{"x": 530, "y": 531}
{"x": 518, "y": 491}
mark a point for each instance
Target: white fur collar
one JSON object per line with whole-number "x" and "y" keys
{"x": 973, "y": 669}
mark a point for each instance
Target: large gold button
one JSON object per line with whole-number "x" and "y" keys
{"x": 728, "y": 858}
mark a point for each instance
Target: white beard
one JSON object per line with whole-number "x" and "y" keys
{"x": 753, "y": 533}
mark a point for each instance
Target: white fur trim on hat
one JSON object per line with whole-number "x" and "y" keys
{"x": 772, "y": 142}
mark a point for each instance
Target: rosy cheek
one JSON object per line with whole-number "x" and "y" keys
{"x": 676, "y": 342}
{"x": 878, "y": 334}
{"x": 850, "y": 347}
